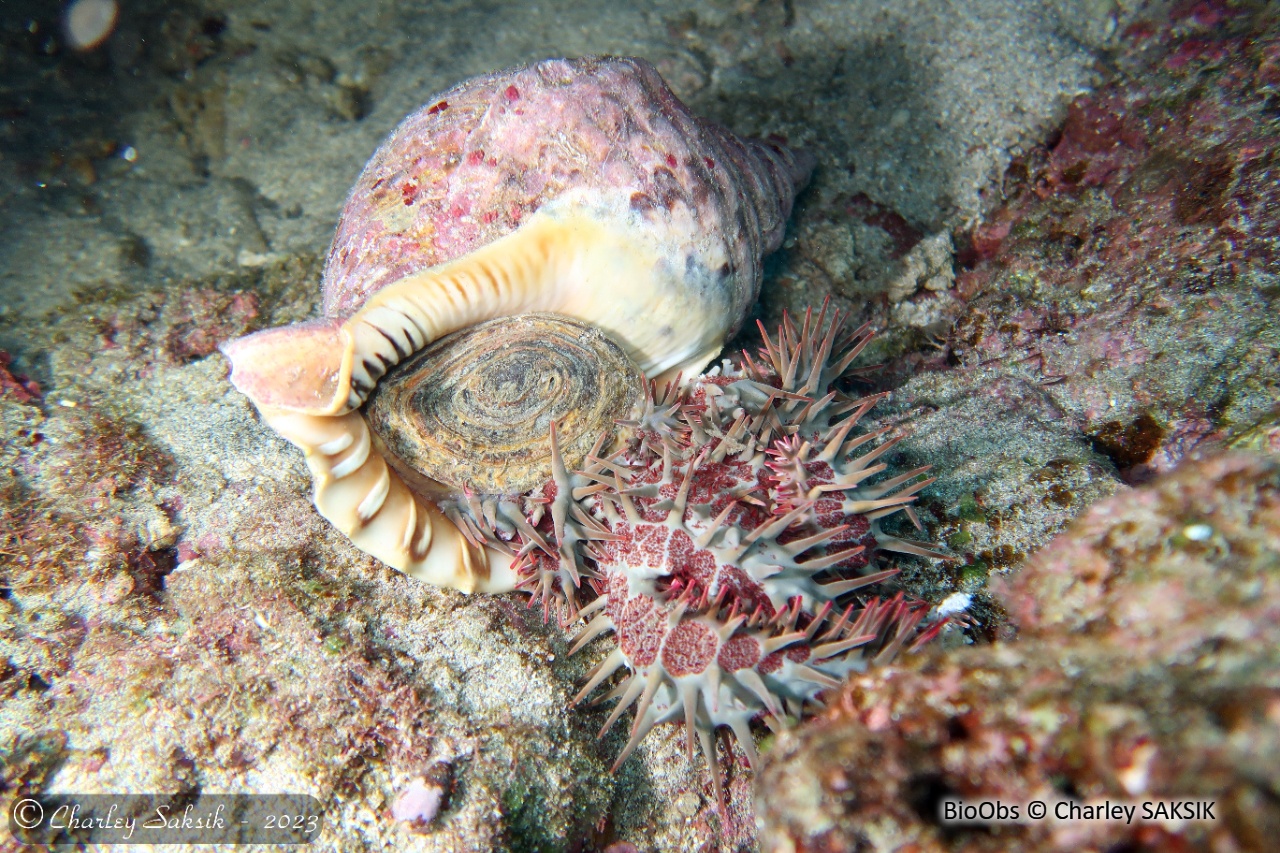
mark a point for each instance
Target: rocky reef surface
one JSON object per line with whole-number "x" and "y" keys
{"x": 1145, "y": 670}
{"x": 1125, "y": 291}
{"x": 1061, "y": 215}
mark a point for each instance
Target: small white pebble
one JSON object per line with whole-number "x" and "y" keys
{"x": 956, "y": 602}
{"x": 88, "y": 22}
{"x": 129, "y": 154}
{"x": 68, "y": 404}
{"x": 418, "y": 804}
{"x": 1197, "y": 532}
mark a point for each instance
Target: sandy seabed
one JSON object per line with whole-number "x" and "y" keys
{"x": 175, "y": 617}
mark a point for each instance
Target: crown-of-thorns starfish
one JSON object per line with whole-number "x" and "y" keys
{"x": 720, "y": 544}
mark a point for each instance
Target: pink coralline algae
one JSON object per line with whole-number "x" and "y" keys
{"x": 1130, "y": 269}
{"x": 177, "y": 327}
{"x": 16, "y": 386}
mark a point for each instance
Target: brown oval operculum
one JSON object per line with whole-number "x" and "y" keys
{"x": 473, "y": 411}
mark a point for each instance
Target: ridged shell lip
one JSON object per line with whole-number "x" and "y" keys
{"x": 585, "y": 259}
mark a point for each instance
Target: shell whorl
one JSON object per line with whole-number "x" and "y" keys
{"x": 474, "y": 410}
{"x": 475, "y": 162}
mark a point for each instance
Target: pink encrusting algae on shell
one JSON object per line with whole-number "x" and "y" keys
{"x": 579, "y": 187}
{"x": 608, "y": 135}
{"x": 520, "y": 268}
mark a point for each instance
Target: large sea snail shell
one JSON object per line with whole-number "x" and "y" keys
{"x": 580, "y": 187}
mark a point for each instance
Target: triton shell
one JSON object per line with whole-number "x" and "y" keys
{"x": 578, "y": 187}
